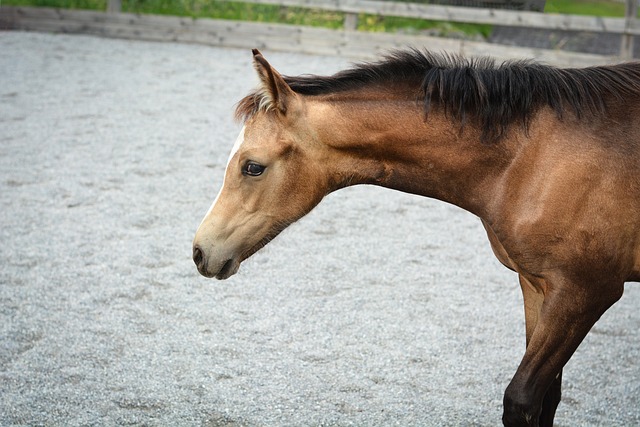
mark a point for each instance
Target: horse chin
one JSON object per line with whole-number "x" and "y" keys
{"x": 229, "y": 268}
{"x": 232, "y": 265}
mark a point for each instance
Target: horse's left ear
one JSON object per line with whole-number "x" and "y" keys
{"x": 279, "y": 94}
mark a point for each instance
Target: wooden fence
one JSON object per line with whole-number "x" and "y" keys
{"x": 627, "y": 27}
{"x": 348, "y": 42}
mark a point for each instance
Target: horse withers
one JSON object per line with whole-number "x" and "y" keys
{"x": 547, "y": 158}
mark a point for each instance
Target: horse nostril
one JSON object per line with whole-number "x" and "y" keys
{"x": 197, "y": 256}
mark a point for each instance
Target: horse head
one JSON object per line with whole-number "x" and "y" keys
{"x": 270, "y": 179}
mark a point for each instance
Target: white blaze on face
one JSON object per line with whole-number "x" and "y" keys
{"x": 234, "y": 150}
{"x": 236, "y": 145}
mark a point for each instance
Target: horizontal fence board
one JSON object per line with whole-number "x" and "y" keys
{"x": 240, "y": 34}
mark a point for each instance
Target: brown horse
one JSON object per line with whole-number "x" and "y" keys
{"x": 547, "y": 158}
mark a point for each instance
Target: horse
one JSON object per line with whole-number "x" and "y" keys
{"x": 547, "y": 158}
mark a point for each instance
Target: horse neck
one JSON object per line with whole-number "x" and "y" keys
{"x": 389, "y": 143}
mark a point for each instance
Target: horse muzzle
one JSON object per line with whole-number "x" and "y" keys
{"x": 210, "y": 265}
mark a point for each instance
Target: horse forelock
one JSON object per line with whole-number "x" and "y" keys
{"x": 258, "y": 100}
{"x": 480, "y": 90}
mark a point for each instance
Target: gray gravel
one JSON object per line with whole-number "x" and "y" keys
{"x": 379, "y": 308}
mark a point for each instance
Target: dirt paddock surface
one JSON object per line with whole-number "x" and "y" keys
{"x": 377, "y": 309}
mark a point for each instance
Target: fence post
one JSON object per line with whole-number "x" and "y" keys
{"x": 631, "y": 14}
{"x": 114, "y": 6}
{"x": 351, "y": 21}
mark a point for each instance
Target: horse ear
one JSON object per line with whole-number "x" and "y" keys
{"x": 277, "y": 92}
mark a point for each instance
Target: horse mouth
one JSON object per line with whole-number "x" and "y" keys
{"x": 231, "y": 265}
{"x": 229, "y": 268}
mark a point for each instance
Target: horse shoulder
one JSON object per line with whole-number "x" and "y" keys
{"x": 568, "y": 202}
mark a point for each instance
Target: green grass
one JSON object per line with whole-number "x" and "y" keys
{"x": 217, "y": 9}
{"x": 411, "y": 26}
{"x": 235, "y": 11}
{"x": 586, "y": 7}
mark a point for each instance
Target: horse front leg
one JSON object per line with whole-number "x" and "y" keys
{"x": 551, "y": 401}
{"x": 559, "y": 315}
{"x": 533, "y": 299}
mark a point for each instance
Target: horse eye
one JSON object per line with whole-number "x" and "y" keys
{"x": 253, "y": 169}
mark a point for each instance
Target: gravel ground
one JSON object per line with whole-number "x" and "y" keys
{"x": 379, "y": 308}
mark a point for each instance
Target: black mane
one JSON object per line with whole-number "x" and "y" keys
{"x": 492, "y": 95}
